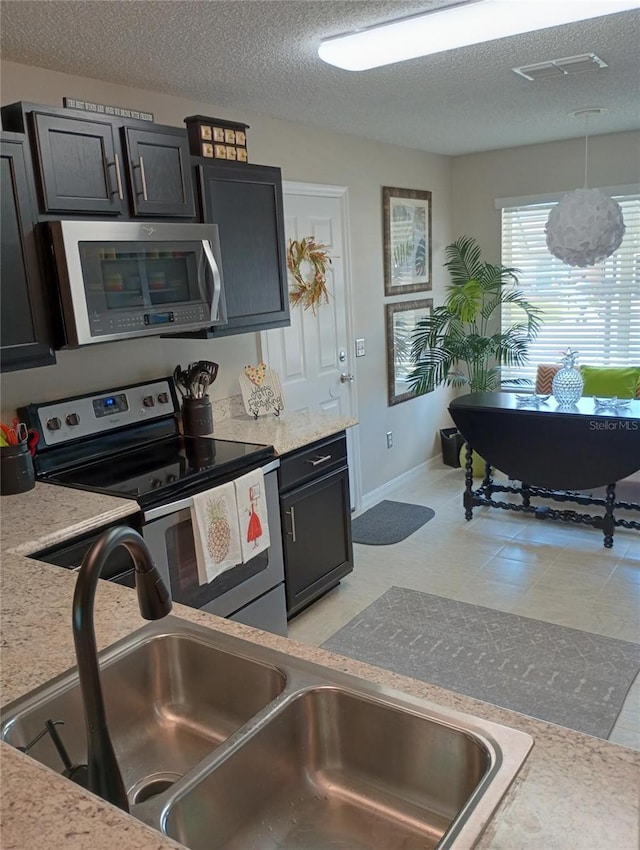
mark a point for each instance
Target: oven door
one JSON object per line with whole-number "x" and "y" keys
{"x": 245, "y": 592}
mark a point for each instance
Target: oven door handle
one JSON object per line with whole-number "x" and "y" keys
{"x": 182, "y": 504}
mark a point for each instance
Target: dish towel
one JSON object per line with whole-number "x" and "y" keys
{"x": 252, "y": 514}
{"x": 214, "y": 517}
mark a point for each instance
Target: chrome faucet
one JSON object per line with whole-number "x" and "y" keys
{"x": 104, "y": 777}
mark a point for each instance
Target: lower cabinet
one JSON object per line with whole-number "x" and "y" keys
{"x": 316, "y": 520}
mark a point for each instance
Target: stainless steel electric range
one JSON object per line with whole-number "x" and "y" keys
{"x": 126, "y": 442}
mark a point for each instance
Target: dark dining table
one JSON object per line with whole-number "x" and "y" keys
{"x": 552, "y": 452}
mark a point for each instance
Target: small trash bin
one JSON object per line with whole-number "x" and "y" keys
{"x": 451, "y": 441}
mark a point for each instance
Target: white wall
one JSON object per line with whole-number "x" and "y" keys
{"x": 478, "y": 179}
{"x": 307, "y": 155}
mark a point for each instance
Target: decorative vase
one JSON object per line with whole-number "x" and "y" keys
{"x": 567, "y": 382}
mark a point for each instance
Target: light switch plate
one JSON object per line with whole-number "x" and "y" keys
{"x": 360, "y": 351}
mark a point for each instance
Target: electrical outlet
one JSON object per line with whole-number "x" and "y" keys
{"x": 389, "y": 439}
{"x": 360, "y": 352}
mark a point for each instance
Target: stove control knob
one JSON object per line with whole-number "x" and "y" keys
{"x": 54, "y": 424}
{"x": 155, "y": 483}
{"x": 73, "y": 419}
{"x": 148, "y": 401}
{"x": 163, "y": 398}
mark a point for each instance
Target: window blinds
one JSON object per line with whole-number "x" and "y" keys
{"x": 594, "y": 310}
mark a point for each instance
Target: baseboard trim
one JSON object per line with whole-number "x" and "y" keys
{"x": 374, "y": 496}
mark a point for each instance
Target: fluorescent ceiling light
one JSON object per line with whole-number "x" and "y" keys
{"x": 458, "y": 26}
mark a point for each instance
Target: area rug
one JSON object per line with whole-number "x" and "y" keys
{"x": 389, "y": 522}
{"x": 565, "y": 676}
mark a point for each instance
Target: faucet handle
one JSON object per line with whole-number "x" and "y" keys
{"x": 154, "y": 600}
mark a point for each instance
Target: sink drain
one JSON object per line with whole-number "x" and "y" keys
{"x": 151, "y": 786}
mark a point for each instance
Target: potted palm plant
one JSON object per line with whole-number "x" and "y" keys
{"x": 463, "y": 343}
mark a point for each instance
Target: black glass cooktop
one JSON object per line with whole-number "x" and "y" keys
{"x": 156, "y": 472}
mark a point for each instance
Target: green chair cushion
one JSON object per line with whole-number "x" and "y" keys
{"x": 609, "y": 381}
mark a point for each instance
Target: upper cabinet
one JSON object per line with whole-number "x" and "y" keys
{"x": 80, "y": 170}
{"x": 26, "y": 337}
{"x": 159, "y": 171}
{"x": 245, "y": 201}
{"x": 104, "y": 166}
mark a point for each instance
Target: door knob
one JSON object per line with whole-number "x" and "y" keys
{"x": 346, "y": 378}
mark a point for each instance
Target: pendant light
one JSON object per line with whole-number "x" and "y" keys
{"x": 586, "y": 226}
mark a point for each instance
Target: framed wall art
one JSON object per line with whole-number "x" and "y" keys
{"x": 401, "y": 319}
{"x": 406, "y": 240}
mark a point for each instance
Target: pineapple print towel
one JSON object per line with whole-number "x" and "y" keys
{"x": 252, "y": 514}
{"x": 214, "y": 517}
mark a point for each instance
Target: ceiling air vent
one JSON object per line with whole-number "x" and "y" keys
{"x": 561, "y": 67}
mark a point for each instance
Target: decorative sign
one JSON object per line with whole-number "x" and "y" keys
{"x": 103, "y": 109}
{"x": 261, "y": 391}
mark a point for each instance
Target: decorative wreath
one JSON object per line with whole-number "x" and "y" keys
{"x": 308, "y": 293}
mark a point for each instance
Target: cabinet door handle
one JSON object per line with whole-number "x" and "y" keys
{"x": 143, "y": 180}
{"x": 115, "y": 165}
{"x": 292, "y": 514}
{"x": 318, "y": 460}
{"x": 118, "y": 177}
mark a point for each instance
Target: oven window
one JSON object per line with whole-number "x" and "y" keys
{"x": 124, "y": 275}
{"x": 183, "y": 569}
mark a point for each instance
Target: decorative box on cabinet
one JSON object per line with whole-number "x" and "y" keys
{"x": 245, "y": 201}
{"x": 316, "y": 520}
{"x": 101, "y": 165}
{"x": 25, "y": 310}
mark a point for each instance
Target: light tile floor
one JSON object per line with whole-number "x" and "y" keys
{"x": 512, "y": 562}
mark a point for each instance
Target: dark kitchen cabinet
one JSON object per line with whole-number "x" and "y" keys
{"x": 90, "y": 165}
{"x": 159, "y": 169}
{"x": 245, "y": 201}
{"x": 79, "y": 167}
{"x": 316, "y": 520}
{"x": 26, "y": 338}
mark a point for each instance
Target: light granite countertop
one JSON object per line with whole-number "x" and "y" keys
{"x": 286, "y": 433}
{"x": 574, "y": 792}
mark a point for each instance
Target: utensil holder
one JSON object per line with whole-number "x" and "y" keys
{"x": 17, "y": 474}
{"x": 197, "y": 417}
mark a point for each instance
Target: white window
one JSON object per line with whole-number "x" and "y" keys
{"x": 594, "y": 310}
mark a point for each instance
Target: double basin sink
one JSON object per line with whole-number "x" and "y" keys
{"x": 227, "y": 745}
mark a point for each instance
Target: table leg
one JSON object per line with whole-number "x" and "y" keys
{"x": 526, "y": 494}
{"x": 608, "y": 524}
{"x": 467, "y": 499}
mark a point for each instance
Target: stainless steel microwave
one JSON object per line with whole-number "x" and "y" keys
{"x": 120, "y": 280}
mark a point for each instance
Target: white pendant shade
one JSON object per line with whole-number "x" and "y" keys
{"x": 585, "y": 227}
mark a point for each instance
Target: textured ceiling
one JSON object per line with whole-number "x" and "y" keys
{"x": 260, "y": 55}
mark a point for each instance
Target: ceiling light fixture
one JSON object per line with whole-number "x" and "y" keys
{"x": 585, "y": 226}
{"x": 461, "y": 25}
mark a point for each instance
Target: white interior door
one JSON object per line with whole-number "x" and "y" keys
{"x": 315, "y": 356}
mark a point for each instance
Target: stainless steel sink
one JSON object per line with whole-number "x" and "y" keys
{"x": 228, "y": 745}
{"x": 170, "y": 698}
{"x": 334, "y": 769}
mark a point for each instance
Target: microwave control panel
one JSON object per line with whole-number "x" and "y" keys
{"x": 90, "y": 415}
{"x": 135, "y": 324}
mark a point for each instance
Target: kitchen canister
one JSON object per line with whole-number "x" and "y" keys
{"x": 17, "y": 474}
{"x": 197, "y": 417}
